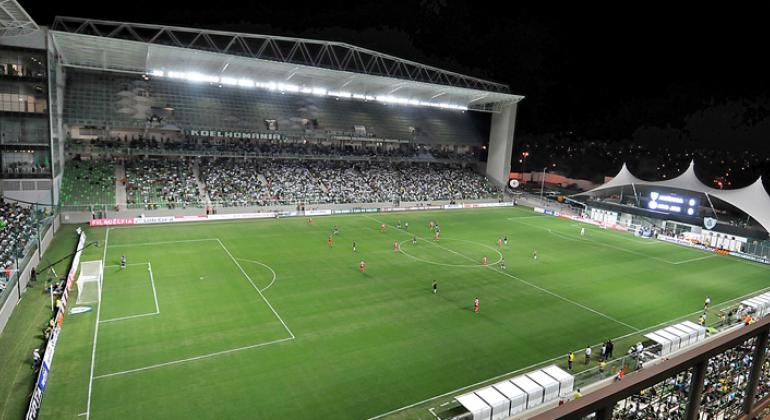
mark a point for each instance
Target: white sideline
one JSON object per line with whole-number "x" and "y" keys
{"x": 554, "y": 294}
{"x": 190, "y": 359}
{"x": 154, "y": 295}
{"x": 96, "y": 331}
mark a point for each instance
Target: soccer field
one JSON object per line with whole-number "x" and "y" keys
{"x": 262, "y": 319}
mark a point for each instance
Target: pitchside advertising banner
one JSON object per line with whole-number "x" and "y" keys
{"x": 267, "y": 215}
{"x": 47, "y": 362}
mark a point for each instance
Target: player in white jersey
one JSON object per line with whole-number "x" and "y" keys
{"x": 582, "y": 231}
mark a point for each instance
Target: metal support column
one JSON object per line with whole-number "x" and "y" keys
{"x": 757, "y": 360}
{"x": 696, "y": 391}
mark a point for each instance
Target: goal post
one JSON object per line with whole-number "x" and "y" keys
{"x": 90, "y": 282}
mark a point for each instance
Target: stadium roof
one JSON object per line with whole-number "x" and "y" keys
{"x": 324, "y": 65}
{"x": 14, "y": 20}
{"x": 752, "y": 200}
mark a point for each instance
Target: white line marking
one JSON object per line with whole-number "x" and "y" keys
{"x": 266, "y": 266}
{"x": 529, "y": 284}
{"x": 154, "y": 294}
{"x": 82, "y": 414}
{"x": 96, "y": 331}
{"x": 162, "y": 242}
{"x": 123, "y": 318}
{"x": 694, "y": 259}
{"x": 190, "y": 359}
{"x": 256, "y": 288}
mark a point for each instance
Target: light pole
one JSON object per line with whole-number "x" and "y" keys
{"x": 542, "y": 184}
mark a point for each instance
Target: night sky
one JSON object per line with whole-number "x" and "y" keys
{"x": 602, "y": 73}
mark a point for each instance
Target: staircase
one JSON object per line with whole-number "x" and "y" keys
{"x": 121, "y": 197}
{"x": 196, "y": 169}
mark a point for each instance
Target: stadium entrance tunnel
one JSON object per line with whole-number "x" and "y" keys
{"x": 451, "y": 252}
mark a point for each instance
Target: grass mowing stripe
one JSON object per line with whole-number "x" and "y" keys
{"x": 554, "y": 294}
{"x": 190, "y": 359}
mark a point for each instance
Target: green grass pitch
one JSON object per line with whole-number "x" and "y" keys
{"x": 262, "y": 319}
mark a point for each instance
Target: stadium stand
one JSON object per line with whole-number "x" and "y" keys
{"x": 88, "y": 182}
{"x": 154, "y": 183}
{"x": 16, "y": 229}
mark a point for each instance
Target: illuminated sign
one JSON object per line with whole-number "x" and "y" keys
{"x": 672, "y": 203}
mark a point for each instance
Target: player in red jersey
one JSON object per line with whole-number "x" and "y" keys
{"x": 330, "y": 241}
{"x": 435, "y": 236}
{"x": 476, "y": 305}
{"x": 395, "y": 246}
{"x": 382, "y": 228}
{"x": 499, "y": 243}
{"x": 361, "y": 266}
{"x": 310, "y": 221}
{"x": 484, "y": 260}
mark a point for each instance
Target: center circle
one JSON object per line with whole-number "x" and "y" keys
{"x": 461, "y": 252}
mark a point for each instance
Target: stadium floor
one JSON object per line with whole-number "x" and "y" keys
{"x": 262, "y": 319}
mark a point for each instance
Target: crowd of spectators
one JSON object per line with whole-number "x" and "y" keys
{"x": 16, "y": 230}
{"x": 244, "y": 182}
{"x": 724, "y": 388}
{"x": 152, "y": 183}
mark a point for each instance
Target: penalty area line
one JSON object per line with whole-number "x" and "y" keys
{"x": 191, "y": 359}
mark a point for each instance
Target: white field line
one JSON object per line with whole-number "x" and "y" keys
{"x": 190, "y": 359}
{"x": 154, "y": 295}
{"x": 118, "y": 265}
{"x": 553, "y": 359}
{"x": 266, "y": 266}
{"x": 556, "y": 295}
{"x": 162, "y": 242}
{"x": 695, "y": 259}
{"x": 590, "y": 241}
{"x": 96, "y": 331}
{"x": 256, "y": 288}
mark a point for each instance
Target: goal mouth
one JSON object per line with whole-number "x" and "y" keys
{"x": 90, "y": 282}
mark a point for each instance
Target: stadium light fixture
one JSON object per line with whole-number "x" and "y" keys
{"x": 308, "y": 90}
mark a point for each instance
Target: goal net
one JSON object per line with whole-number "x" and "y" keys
{"x": 90, "y": 282}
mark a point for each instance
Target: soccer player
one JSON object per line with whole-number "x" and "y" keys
{"x": 505, "y": 240}
{"x": 435, "y": 287}
{"x": 310, "y": 221}
{"x": 122, "y": 261}
{"x": 398, "y": 226}
{"x": 484, "y": 260}
{"x": 432, "y": 225}
{"x": 406, "y": 225}
{"x": 706, "y": 303}
{"x": 534, "y": 254}
{"x": 476, "y": 305}
{"x": 435, "y": 236}
{"x": 330, "y": 241}
{"x": 355, "y": 249}
{"x": 582, "y": 231}
{"x": 382, "y": 228}
{"x": 414, "y": 240}
{"x": 502, "y": 263}
{"x": 499, "y": 243}
{"x": 361, "y": 266}
{"x": 395, "y": 246}
{"x": 336, "y": 229}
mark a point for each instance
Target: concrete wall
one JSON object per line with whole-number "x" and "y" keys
{"x": 501, "y": 134}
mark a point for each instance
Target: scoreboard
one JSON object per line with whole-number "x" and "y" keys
{"x": 671, "y": 203}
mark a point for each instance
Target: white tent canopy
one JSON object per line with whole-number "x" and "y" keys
{"x": 753, "y": 199}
